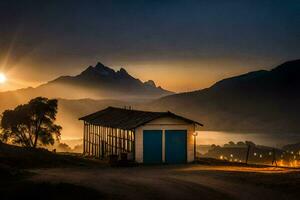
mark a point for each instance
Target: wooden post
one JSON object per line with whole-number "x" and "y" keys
{"x": 89, "y": 140}
{"x": 106, "y": 141}
{"x": 120, "y": 141}
{"x": 128, "y": 141}
{"x": 195, "y": 149}
{"x": 123, "y": 136}
{"x": 248, "y": 152}
{"x": 92, "y": 139}
{"x": 274, "y": 157}
{"x": 133, "y": 144}
{"x": 83, "y": 138}
{"x": 94, "y": 146}
{"x": 99, "y": 141}
{"x": 94, "y": 150}
{"x": 116, "y": 141}
{"x": 111, "y": 141}
{"x": 100, "y": 136}
{"x": 95, "y": 141}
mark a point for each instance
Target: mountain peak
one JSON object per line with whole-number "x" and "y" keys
{"x": 292, "y": 67}
{"x": 103, "y": 70}
{"x": 150, "y": 83}
{"x": 103, "y": 81}
{"x": 99, "y": 65}
{"x": 99, "y": 69}
{"x": 123, "y": 71}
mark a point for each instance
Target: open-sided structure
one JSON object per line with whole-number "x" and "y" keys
{"x": 146, "y": 137}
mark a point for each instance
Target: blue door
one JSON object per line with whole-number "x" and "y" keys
{"x": 152, "y": 142}
{"x": 176, "y": 146}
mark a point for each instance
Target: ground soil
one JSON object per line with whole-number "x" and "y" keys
{"x": 180, "y": 182}
{"x": 39, "y": 174}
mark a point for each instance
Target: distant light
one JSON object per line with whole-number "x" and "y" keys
{"x": 2, "y": 78}
{"x": 221, "y": 157}
{"x": 260, "y": 156}
{"x": 231, "y": 155}
{"x": 255, "y": 154}
{"x": 195, "y": 133}
{"x": 270, "y": 153}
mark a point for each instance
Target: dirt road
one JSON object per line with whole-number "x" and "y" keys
{"x": 181, "y": 182}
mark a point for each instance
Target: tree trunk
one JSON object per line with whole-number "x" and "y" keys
{"x": 37, "y": 133}
{"x": 35, "y": 140}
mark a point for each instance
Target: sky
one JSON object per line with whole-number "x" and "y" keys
{"x": 181, "y": 45}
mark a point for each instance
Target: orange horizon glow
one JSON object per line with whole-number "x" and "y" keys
{"x": 176, "y": 76}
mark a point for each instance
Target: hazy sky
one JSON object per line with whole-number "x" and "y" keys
{"x": 181, "y": 45}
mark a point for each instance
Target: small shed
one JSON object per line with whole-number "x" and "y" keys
{"x": 146, "y": 137}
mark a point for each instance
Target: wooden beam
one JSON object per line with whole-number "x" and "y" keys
{"x": 99, "y": 142}
{"x": 128, "y": 142}
{"x": 92, "y": 139}
{"x": 94, "y": 152}
{"x": 111, "y": 141}
{"x": 89, "y": 139}
{"x": 133, "y": 144}
{"x": 83, "y": 138}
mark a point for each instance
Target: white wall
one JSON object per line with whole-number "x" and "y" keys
{"x": 164, "y": 124}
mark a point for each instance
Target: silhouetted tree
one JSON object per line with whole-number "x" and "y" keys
{"x": 31, "y": 123}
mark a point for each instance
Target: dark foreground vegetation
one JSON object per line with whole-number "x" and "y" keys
{"x": 15, "y": 180}
{"x": 17, "y": 157}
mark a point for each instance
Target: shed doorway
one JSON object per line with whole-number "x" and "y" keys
{"x": 176, "y": 146}
{"x": 152, "y": 146}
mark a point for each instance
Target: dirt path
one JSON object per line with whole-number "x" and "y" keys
{"x": 175, "y": 182}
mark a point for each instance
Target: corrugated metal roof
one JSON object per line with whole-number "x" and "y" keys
{"x": 128, "y": 119}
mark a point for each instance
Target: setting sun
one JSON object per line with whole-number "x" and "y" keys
{"x": 2, "y": 78}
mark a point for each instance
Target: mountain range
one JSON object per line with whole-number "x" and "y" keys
{"x": 98, "y": 82}
{"x": 256, "y": 101}
{"x": 260, "y": 101}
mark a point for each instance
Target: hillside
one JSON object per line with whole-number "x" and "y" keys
{"x": 258, "y": 101}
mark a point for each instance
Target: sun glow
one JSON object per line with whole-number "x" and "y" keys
{"x": 2, "y": 78}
